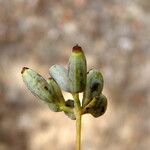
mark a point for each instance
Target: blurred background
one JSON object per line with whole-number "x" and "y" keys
{"x": 115, "y": 35}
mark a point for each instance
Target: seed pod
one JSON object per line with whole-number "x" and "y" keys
{"x": 57, "y": 94}
{"x": 77, "y": 70}
{"x": 94, "y": 86}
{"x": 70, "y": 103}
{"x": 97, "y": 106}
{"x": 37, "y": 85}
{"x": 60, "y": 74}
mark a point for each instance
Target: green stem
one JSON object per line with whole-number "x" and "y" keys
{"x": 84, "y": 111}
{"x": 78, "y": 120}
{"x": 78, "y": 132}
{"x": 65, "y": 108}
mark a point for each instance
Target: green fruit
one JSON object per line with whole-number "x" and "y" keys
{"x": 40, "y": 88}
{"x": 94, "y": 86}
{"x": 70, "y": 103}
{"x": 77, "y": 70}
{"x": 97, "y": 106}
{"x": 60, "y": 74}
{"x": 56, "y": 91}
{"x": 37, "y": 84}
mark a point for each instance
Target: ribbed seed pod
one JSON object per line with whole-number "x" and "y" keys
{"x": 77, "y": 70}
{"x": 37, "y": 85}
{"x": 70, "y": 103}
{"x": 97, "y": 106}
{"x": 94, "y": 86}
{"x": 60, "y": 74}
{"x": 57, "y": 94}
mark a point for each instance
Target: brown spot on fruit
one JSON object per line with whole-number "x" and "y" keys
{"x": 67, "y": 104}
{"x": 46, "y": 88}
{"x": 23, "y": 69}
{"x": 94, "y": 86}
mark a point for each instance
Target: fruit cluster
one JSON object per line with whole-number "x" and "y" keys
{"x": 74, "y": 80}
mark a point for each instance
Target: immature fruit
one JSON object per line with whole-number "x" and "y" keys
{"x": 60, "y": 74}
{"x": 94, "y": 86}
{"x": 97, "y": 106}
{"x": 57, "y": 94}
{"x": 70, "y": 103}
{"x": 40, "y": 88}
{"x": 77, "y": 70}
{"x": 37, "y": 85}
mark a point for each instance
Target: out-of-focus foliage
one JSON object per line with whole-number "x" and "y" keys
{"x": 115, "y": 36}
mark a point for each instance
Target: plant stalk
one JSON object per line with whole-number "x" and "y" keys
{"x": 65, "y": 108}
{"x": 78, "y": 132}
{"x": 78, "y": 120}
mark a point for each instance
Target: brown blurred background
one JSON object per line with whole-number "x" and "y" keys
{"x": 115, "y": 35}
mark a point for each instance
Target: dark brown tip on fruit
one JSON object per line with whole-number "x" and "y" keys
{"x": 23, "y": 69}
{"x": 77, "y": 49}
